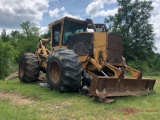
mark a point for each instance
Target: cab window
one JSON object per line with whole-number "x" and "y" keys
{"x": 71, "y": 28}
{"x": 56, "y": 30}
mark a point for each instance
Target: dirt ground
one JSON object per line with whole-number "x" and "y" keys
{"x": 15, "y": 98}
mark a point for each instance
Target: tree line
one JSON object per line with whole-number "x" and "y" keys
{"x": 15, "y": 44}
{"x": 131, "y": 21}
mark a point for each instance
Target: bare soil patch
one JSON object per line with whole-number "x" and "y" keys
{"x": 15, "y": 98}
{"x": 158, "y": 82}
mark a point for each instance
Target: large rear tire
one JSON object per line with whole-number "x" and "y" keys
{"x": 64, "y": 71}
{"x": 29, "y": 68}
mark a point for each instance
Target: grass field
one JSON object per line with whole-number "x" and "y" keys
{"x": 20, "y": 101}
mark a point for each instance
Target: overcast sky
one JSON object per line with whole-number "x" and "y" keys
{"x": 43, "y": 12}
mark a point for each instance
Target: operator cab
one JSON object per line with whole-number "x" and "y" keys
{"x": 63, "y": 29}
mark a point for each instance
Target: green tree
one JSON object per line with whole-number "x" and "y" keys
{"x": 17, "y": 43}
{"x": 30, "y": 30}
{"x": 4, "y": 36}
{"x": 25, "y": 41}
{"x": 29, "y": 37}
{"x": 7, "y": 57}
{"x": 15, "y": 33}
{"x": 132, "y": 22}
{"x": 14, "y": 45}
{"x": 155, "y": 62}
{"x": 15, "y": 38}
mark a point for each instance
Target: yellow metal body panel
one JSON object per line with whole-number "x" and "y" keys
{"x": 100, "y": 52}
{"x": 42, "y": 54}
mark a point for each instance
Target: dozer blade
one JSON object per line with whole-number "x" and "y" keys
{"x": 103, "y": 86}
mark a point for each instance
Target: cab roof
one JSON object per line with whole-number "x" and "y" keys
{"x": 67, "y": 18}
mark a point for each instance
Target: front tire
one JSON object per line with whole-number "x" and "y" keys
{"x": 29, "y": 68}
{"x": 64, "y": 71}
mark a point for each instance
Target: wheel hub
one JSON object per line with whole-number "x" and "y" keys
{"x": 55, "y": 71}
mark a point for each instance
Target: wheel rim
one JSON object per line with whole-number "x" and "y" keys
{"x": 55, "y": 72}
{"x": 21, "y": 68}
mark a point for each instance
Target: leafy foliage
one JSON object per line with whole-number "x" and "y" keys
{"x": 29, "y": 37}
{"x": 7, "y": 55}
{"x": 13, "y": 46}
{"x": 4, "y": 36}
{"x": 27, "y": 40}
{"x": 131, "y": 22}
{"x": 155, "y": 62}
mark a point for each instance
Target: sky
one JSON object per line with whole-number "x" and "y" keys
{"x": 42, "y": 12}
